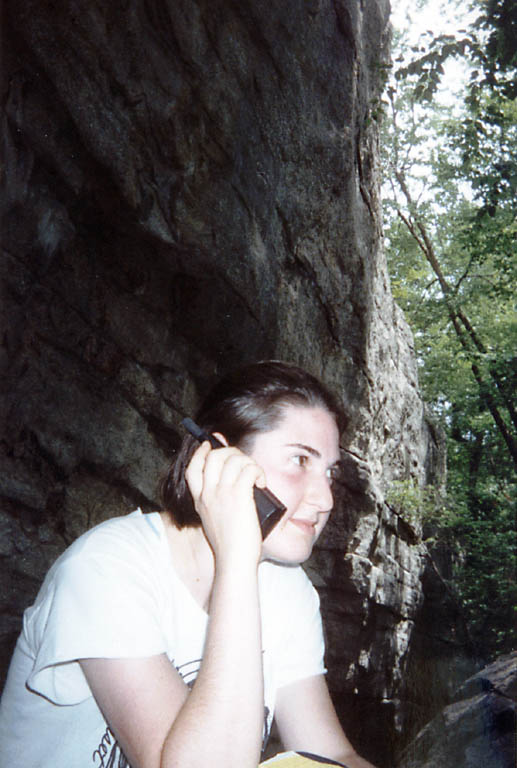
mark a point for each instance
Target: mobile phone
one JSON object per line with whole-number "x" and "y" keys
{"x": 269, "y": 508}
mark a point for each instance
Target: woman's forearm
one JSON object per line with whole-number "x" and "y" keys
{"x": 220, "y": 723}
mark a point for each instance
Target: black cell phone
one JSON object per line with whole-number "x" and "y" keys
{"x": 269, "y": 508}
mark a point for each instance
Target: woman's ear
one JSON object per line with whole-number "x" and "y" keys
{"x": 221, "y": 437}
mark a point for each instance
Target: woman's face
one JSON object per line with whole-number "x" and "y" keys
{"x": 299, "y": 457}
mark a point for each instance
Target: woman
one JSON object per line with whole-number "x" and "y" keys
{"x": 170, "y": 639}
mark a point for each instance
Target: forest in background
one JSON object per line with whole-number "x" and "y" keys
{"x": 450, "y": 207}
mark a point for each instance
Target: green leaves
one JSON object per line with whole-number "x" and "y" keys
{"x": 450, "y": 201}
{"x": 427, "y": 69}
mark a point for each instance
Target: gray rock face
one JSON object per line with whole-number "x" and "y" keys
{"x": 189, "y": 186}
{"x": 477, "y": 729}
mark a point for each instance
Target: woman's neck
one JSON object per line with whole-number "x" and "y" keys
{"x": 193, "y": 560}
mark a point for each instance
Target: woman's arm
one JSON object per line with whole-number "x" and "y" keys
{"x": 160, "y": 724}
{"x": 307, "y": 722}
{"x": 157, "y": 721}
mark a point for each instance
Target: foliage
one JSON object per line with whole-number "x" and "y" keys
{"x": 415, "y": 504}
{"x": 451, "y": 241}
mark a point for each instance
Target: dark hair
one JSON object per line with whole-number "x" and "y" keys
{"x": 243, "y": 404}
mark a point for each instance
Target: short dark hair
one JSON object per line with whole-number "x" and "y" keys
{"x": 246, "y": 402}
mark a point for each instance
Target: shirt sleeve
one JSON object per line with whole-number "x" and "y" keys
{"x": 101, "y": 600}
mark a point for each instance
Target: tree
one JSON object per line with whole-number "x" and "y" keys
{"x": 451, "y": 237}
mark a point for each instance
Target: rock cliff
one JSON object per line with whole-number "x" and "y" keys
{"x": 478, "y": 728}
{"x": 188, "y": 186}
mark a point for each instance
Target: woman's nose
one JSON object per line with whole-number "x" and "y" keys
{"x": 321, "y": 493}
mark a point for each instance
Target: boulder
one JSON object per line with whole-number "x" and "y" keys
{"x": 477, "y": 729}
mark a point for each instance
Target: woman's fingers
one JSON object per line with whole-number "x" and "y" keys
{"x": 194, "y": 471}
{"x": 225, "y": 466}
{"x": 221, "y": 482}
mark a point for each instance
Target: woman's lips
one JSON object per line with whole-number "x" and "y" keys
{"x": 304, "y": 525}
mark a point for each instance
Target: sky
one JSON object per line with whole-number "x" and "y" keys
{"x": 443, "y": 16}
{"x": 417, "y": 17}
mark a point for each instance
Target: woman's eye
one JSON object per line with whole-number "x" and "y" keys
{"x": 301, "y": 460}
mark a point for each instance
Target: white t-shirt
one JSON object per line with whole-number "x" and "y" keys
{"x": 114, "y": 594}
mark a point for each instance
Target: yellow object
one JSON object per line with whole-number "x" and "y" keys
{"x": 296, "y": 760}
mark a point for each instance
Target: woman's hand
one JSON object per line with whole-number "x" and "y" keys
{"x": 221, "y": 482}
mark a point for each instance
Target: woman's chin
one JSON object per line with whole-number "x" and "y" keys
{"x": 287, "y": 555}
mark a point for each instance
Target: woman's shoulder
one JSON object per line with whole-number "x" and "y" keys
{"x": 113, "y": 557}
{"x": 131, "y": 529}
{"x": 117, "y": 543}
{"x": 284, "y": 582}
{"x": 105, "y": 596}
